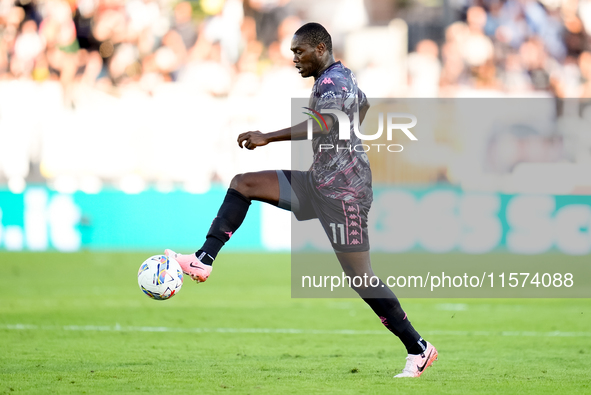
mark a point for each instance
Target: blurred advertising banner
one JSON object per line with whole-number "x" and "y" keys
{"x": 40, "y": 219}
{"x": 436, "y": 220}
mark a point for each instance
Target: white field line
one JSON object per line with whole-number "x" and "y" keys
{"x": 119, "y": 328}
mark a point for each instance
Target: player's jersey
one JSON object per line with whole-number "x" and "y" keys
{"x": 341, "y": 172}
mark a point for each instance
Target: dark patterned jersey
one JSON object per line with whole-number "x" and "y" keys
{"x": 340, "y": 172}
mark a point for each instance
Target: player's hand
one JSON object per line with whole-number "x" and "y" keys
{"x": 251, "y": 140}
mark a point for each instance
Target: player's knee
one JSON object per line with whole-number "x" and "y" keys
{"x": 361, "y": 278}
{"x": 237, "y": 183}
{"x": 243, "y": 183}
{"x": 357, "y": 271}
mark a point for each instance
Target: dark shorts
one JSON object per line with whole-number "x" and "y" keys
{"x": 345, "y": 223}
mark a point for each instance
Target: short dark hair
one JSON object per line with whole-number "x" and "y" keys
{"x": 314, "y": 34}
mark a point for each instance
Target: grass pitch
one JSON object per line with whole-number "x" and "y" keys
{"x": 77, "y": 323}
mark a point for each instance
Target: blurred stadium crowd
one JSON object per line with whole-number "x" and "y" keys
{"x": 144, "y": 92}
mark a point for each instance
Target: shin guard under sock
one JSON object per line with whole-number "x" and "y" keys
{"x": 230, "y": 216}
{"x": 386, "y": 305}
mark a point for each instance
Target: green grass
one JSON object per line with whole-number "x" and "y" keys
{"x": 58, "y": 295}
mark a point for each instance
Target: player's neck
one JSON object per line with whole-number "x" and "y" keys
{"x": 330, "y": 61}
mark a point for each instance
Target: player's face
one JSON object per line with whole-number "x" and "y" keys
{"x": 305, "y": 57}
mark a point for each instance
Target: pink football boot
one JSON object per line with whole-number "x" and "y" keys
{"x": 191, "y": 265}
{"x": 416, "y": 364}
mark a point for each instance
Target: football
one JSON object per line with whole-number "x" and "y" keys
{"x": 160, "y": 277}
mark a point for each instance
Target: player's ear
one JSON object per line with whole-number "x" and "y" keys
{"x": 321, "y": 49}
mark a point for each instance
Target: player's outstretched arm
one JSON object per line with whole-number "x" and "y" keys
{"x": 251, "y": 140}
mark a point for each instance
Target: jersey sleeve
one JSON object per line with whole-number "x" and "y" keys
{"x": 361, "y": 98}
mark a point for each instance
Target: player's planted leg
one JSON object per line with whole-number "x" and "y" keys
{"x": 387, "y": 307}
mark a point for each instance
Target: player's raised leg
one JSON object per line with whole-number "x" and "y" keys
{"x": 262, "y": 186}
{"x": 385, "y": 304}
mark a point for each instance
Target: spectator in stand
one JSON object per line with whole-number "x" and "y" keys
{"x": 454, "y": 72}
{"x": 504, "y": 45}
{"x": 184, "y": 25}
{"x": 27, "y": 48}
{"x": 424, "y": 70}
{"x": 585, "y": 66}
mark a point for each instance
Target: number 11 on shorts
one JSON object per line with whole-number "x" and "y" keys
{"x": 334, "y": 232}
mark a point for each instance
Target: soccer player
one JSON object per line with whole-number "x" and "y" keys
{"x": 338, "y": 184}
